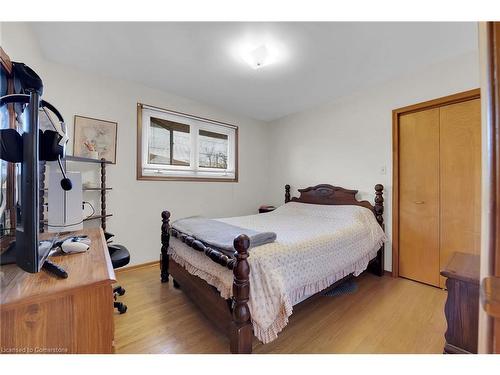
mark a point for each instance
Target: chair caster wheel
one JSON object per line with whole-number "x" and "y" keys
{"x": 122, "y": 308}
{"x": 176, "y": 284}
{"x": 120, "y": 291}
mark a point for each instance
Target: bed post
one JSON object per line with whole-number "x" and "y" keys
{"x": 377, "y": 267}
{"x": 241, "y": 326}
{"x": 287, "y": 193}
{"x": 379, "y": 204}
{"x": 165, "y": 240}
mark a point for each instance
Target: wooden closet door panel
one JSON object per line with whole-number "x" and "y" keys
{"x": 419, "y": 196}
{"x": 460, "y": 185}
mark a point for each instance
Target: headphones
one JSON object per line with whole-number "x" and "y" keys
{"x": 52, "y": 143}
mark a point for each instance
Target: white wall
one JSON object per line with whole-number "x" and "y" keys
{"x": 137, "y": 205}
{"x": 349, "y": 141}
{"x": 344, "y": 143}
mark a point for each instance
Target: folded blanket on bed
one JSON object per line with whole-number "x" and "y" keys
{"x": 218, "y": 234}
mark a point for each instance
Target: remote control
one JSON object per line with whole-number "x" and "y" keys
{"x": 54, "y": 269}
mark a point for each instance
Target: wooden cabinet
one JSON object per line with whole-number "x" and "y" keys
{"x": 439, "y": 192}
{"x": 43, "y": 314}
{"x": 462, "y": 303}
{"x": 265, "y": 209}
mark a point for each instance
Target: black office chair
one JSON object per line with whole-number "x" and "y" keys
{"x": 120, "y": 257}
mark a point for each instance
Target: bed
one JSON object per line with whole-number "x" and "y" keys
{"x": 324, "y": 237}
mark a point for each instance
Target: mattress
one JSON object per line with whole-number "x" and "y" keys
{"x": 316, "y": 246}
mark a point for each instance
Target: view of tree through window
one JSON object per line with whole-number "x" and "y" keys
{"x": 213, "y": 150}
{"x": 169, "y": 143}
{"x": 175, "y": 145}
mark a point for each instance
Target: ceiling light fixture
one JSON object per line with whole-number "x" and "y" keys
{"x": 259, "y": 51}
{"x": 258, "y": 57}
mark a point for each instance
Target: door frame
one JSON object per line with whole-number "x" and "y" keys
{"x": 489, "y": 313}
{"x": 396, "y": 115}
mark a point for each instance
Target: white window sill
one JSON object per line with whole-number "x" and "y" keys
{"x": 188, "y": 175}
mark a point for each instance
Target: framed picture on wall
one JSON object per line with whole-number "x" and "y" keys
{"x": 94, "y": 138}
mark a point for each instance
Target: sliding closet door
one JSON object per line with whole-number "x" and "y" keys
{"x": 419, "y": 196}
{"x": 460, "y": 164}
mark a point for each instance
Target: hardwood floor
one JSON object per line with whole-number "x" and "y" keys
{"x": 385, "y": 315}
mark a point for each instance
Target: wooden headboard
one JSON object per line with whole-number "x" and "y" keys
{"x": 335, "y": 195}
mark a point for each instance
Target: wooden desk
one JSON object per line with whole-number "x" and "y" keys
{"x": 43, "y": 314}
{"x": 462, "y": 303}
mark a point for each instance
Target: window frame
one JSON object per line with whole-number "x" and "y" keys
{"x": 178, "y": 172}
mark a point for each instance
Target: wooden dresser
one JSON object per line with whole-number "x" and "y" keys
{"x": 462, "y": 304}
{"x": 43, "y": 314}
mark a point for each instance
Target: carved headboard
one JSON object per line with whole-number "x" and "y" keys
{"x": 335, "y": 195}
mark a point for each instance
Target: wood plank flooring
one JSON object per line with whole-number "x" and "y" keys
{"x": 384, "y": 315}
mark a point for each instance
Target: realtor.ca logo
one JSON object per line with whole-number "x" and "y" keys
{"x": 34, "y": 350}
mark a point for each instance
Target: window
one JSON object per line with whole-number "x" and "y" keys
{"x": 213, "y": 149}
{"x": 169, "y": 143}
{"x": 176, "y": 146}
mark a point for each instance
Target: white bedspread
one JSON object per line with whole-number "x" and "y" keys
{"x": 316, "y": 245}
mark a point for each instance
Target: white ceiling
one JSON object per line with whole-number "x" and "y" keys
{"x": 196, "y": 60}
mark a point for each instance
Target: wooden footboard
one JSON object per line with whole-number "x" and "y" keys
{"x": 239, "y": 325}
{"x": 212, "y": 305}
